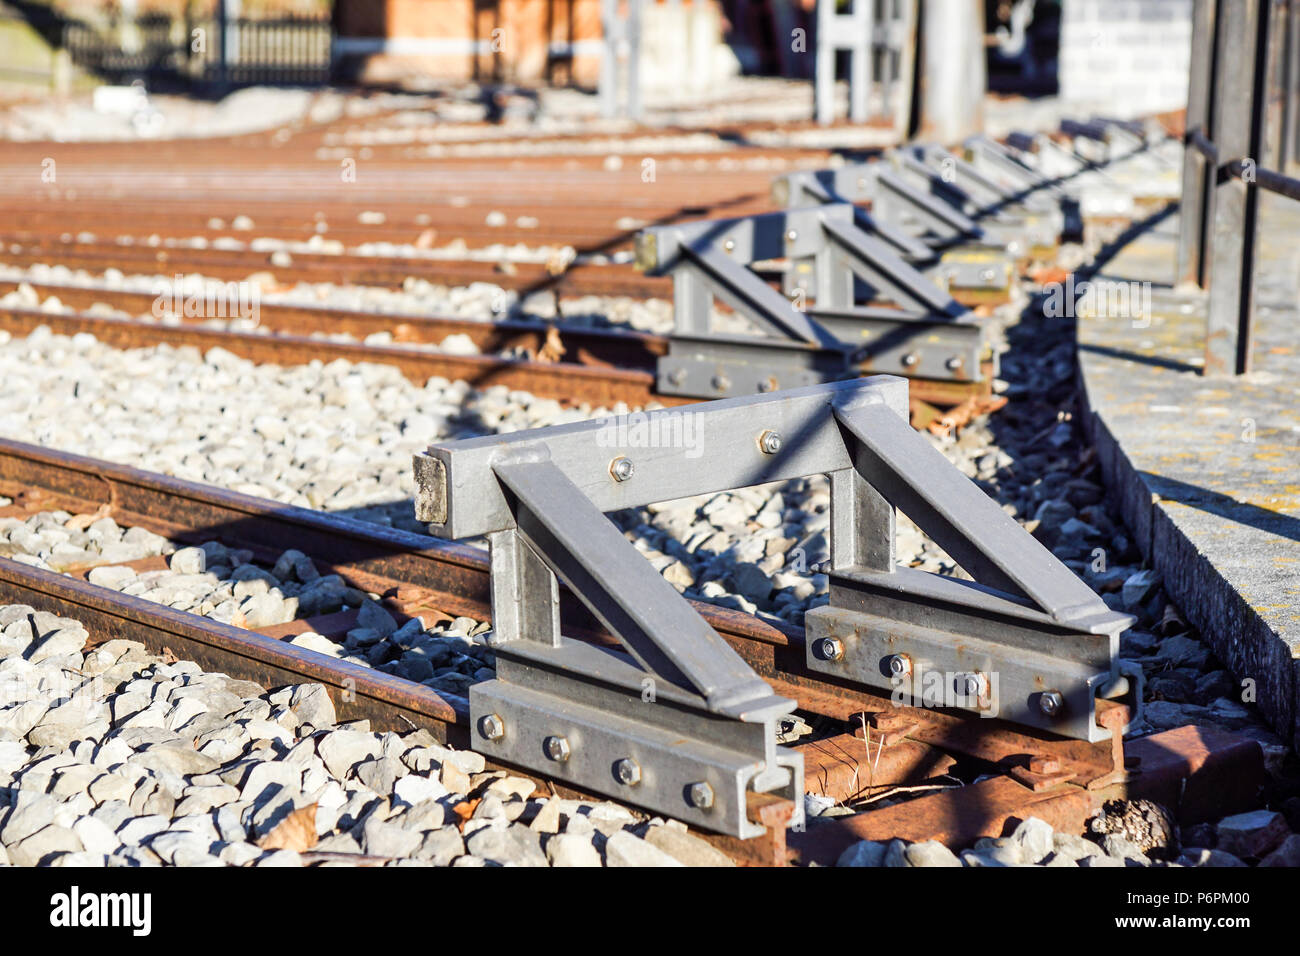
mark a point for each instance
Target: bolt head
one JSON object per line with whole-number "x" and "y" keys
{"x": 1044, "y": 763}
{"x": 910, "y": 359}
{"x": 677, "y": 376}
{"x": 969, "y": 685}
{"x": 621, "y": 469}
{"x": 953, "y": 364}
{"x": 729, "y": 244}
{"x": 830, "y": 648}
{"x": 769, "y": 443}
{"x": 900, "y": 665}
{"x": 987, "y": 275}
{"x": 791, "y": 236}
{"x": 627, "y": 772}
{"x": 1051, "y": 703}
{"x": 557, "y": 748}
{"x": 721, "y": 383}
{"x": 492, "y": 727}
{"x": 701, "y": 795}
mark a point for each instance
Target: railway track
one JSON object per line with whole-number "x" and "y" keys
{"x": 594, "y": 366}
{"x": 915, "y": 774}
{"x": 867, "y": 747}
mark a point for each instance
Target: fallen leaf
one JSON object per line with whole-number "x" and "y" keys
{"x": 295, "y": 832}
{"x": 1050, "y": 275}
{"x": 169, "y": 656}
{"x": 82, "y": 522}
{"x": 554, "y": 349}
{"x": 465, "y": 809}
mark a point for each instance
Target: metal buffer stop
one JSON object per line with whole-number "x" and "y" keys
{"x": 924, "y": 333}
{"x": 675, "y": 721}
{"x": 929, "y": 203}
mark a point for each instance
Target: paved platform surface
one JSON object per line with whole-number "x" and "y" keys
{"x": 1208, "y": 469}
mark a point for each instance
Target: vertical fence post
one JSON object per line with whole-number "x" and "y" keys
{"x": 1240, "y": 111}
{"x": 1289, "y": 40}
{"x": 1195, "y": 208}
{"x": 824, "y": 87}
{"x": 223, "y": 62}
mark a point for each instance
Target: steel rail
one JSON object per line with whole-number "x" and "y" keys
{"x": 598, "y": 367}
{"x": 419, "y": 573}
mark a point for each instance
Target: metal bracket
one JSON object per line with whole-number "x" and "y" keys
{"x": 929, "y": 335}
{"x": 1006, "y": 166}
{"x": 1023, "y": 222}
{"x": 978, "y": 263}
{"x": 1025, "y": 641}
{"x": 676, "y": 721}
{"x": 929, "y": 195}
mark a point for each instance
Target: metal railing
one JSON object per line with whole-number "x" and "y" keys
{"x": 172, "y": 54}
{"x": 1242, "y": 110}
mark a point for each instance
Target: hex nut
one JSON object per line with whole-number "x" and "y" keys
{"x": 769, "y": 442}
{"x": 701, "y": 795}
{"x": 830, "y": 649}
{"x": 627, "y": 772}
{"x": 492, "y": 727}
{"x": 969, "y": 685}
{"x": 557, "y": 748}
{"x": 1051, "y": 703}
{"x": 898, "y": 665}
{"x": 621, "y": 469}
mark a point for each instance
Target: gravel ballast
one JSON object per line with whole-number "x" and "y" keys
{"x": 110, "y": 755}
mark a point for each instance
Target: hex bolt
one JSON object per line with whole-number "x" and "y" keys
{"x": 721, "y": 383}
{"x": 830, "y": 648}
{"x": 492, "y": 727}
{"x": 910, "y": 359}
{"x": 953, "y": 364}
{"x": 969, "y": 685}
{"x": 677, "y": 376}
{"x": 627, "y": 772}
{"x": 729, "y": 244}
{"x": 1051, "y": 703}
{"x": 898, "y": 665}
{"x": 701, "y": 795}
{"x": 768, "y": 384}
{"x": 557, "y": 748}
{"x": 987, "y": 275}
{"x": 791, "y": 236}
{"x": 769, "y": 443}
{"x": 621, "y": 469}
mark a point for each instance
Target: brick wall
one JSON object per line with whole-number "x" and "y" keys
{"x": 1127, "y": 57}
